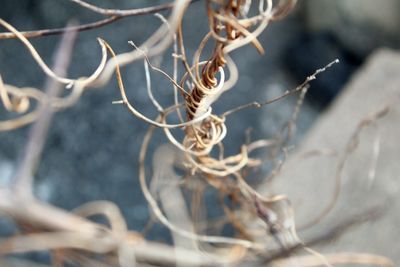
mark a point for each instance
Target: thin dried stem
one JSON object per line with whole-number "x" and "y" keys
{"x": 335, "y": 232}
{"x": 161, "y": 217}
{"x": 351, "y": 146}
{"x": 79, "y": 83}
{"x": 123, "y": 13}
{"x": 114, "y": 15}
{"x": 287, "y": 93}
{"x": 136, "y": 113}
{"x": 23, "y": 178}
{"x": 155, "y": 45}
{"x": 58, "y": 31}
{"x": 148, "y": 85}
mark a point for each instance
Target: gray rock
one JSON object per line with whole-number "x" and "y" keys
{"x": 361, "y": 25}
{"x": 309, "y": 181}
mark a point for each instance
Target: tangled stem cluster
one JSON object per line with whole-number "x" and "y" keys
{"x": 264, "y": 225}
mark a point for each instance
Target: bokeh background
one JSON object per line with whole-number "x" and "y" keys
{"x": 92, "y": 149}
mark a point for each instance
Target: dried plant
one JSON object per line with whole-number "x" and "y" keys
{"x": 264, "y": 226}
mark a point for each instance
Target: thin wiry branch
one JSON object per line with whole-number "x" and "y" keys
{"x": 113, "y": 16}
{"x": 124, "y": 13}
{"x": 57, "y": 31}
{"x": 287, "y": 93}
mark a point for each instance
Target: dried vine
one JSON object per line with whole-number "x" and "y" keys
{"x": 264, "y": 225}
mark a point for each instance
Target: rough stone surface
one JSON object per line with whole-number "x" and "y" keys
{"x": 361, "y": 25}
{"x": 309, "y": 181}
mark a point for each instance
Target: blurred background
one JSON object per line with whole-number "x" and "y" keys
{"x": 92, "y": 149}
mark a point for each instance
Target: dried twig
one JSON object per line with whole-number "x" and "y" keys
{"x": 114, "y": 15}
{"x": 30, "y": 157}
{"x": 287, "y": 93}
